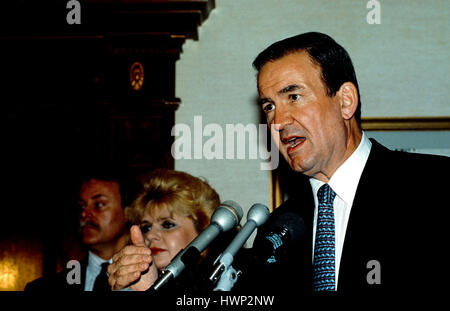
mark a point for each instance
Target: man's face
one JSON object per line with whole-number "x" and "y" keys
{"x": 166, "y": 234}
{"x": 306, "y": 124}
{"x": 102, "y": 216}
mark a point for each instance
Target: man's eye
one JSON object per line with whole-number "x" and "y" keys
{"x": 268, "y": 107}
{"x": 99, "y": 205}
{"x": 145, "y": 228}
{"x": 168, "y": 225}
{"x": 294, "y": 97}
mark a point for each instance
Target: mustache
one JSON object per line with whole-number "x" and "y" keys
{"x": 89, "y": 223}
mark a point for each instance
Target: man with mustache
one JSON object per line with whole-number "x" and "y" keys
{"x": 103, "y": 228}
{"x": 371, "y": 214}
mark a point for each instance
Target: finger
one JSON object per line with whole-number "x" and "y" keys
{"x": 125, "y": 280}
{"x": 112, "y": 268}
{"x": 112, "y": 281}
{"x": 124, "y": 276}
{"x": 127, "y": 260}
{"x": 131, "y": 269}
{"x": 137, "y": 238}
{"x": 134, "y": 259}
{"x": 131, "y": 250}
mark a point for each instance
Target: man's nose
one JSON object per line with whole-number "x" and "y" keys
{"x": 282, "y": 118}
{"x": 86, "y": 212}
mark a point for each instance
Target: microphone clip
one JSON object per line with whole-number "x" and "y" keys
{"x": 228, "y": 278}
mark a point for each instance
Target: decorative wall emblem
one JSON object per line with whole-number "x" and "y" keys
{"x": 137, "y": 76}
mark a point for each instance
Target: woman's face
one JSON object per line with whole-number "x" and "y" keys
{"x": 166, "y": 234}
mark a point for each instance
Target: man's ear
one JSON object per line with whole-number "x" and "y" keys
{"x": 348, "y": 95}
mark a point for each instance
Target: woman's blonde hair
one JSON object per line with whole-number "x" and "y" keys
{"x": 180, "y": 193}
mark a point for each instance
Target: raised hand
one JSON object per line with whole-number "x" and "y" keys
{"x": 132, "y": 265}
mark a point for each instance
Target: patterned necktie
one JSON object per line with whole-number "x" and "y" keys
{"x": 101, "y": 282}
{"x": 324, "y": 247}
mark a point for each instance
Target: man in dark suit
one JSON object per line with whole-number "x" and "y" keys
{"x": 371, "y": 215}
{"x": 104, "y": 231}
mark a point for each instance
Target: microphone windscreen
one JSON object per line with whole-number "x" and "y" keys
{"x": 291, "y": 222}
{"x": 236, "y": 208}
{"x": 284, "y": 229}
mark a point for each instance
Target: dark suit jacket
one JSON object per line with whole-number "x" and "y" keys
{"x": 394, "y": 220}
{"x": 58, "y": 282}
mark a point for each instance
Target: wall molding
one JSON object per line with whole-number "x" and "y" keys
{"x": 406, "y": 123}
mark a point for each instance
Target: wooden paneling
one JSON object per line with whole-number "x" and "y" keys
{"x": 69, "y": 98}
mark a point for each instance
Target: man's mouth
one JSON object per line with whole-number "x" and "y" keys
{"x": 89, "y": 225}
{"x": 293, "y": 142}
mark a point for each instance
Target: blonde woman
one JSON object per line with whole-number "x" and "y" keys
{"x": 170, "y": 211}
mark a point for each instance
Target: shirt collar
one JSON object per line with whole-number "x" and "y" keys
{"x": 346, "y": 178}
{"x": 95, "y": 262}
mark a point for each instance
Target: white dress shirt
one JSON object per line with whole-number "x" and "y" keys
{"x": 93, "y": 270}
{"x": 344, "y": 183}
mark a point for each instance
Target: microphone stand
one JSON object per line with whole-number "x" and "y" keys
{"x": 228, "y": 278}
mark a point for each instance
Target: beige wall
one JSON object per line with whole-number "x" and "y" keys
{"x": 401, "y": 64}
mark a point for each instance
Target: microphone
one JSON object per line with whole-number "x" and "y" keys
{"x": 287, "y": 228}
{"x": 227, "y": 216}
{"x": 256, "y": 216}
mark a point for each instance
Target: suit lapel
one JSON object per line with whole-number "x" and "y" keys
{"x": 362, "y": 237}
{"x": 303, "y": 204}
